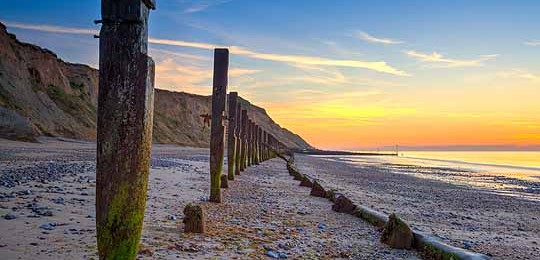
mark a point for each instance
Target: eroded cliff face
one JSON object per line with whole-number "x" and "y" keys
{"x": 40, "y": 94}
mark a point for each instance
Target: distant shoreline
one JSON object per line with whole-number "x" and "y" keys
{"x": 325, "y": 152}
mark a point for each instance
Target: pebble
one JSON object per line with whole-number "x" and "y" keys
{"x": 48, "y": 226}
{"x": 10, "y": 216}
{"x": 322, "y": 226}
{"x": 272, "y": 254}
{"x": 172, "y": 217}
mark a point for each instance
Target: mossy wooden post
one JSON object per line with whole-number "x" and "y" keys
{"x": 217, "y": 131}
{"x": 231, "y": 137}
{"x": 124, "y": 126}
{"x": 244, "y": 140}
{"x": 238, "y": 133}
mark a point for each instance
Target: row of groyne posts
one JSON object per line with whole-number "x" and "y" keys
{"x": 247, "y": 142}
{"x": 124, "y": 128}
{"x": 124, "y": 139}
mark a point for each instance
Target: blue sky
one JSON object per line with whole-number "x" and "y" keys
{"x": 386, "y": 63}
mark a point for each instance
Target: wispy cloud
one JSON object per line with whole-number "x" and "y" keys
{"x": 379, "y": 66}
{"x": 203, "y": 5}
{"x": 533, "y": 43}
{"x": 50, "y": 28}
{"x": 440, "y": 61}
{"x": 366, "y": 37}
{"x": 519, "y": 74}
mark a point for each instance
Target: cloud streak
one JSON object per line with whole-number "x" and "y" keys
{"x": 366, "y": 37}
{"x": 440, "y": 61}
{"x": 379, "y": 66}
{"x": 50, "y": 28}
{"x": 203, "y": 6}
{"x": 519, "y": 74}
{"x": 533, "y": 43}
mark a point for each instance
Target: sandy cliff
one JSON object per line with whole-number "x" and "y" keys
{"x": 40, "y": 94}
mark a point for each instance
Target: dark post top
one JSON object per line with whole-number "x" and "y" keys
{"x": 221, "y": 67}
{"x": 126, "y": 11}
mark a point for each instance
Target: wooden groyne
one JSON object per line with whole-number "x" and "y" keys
{"x": 429, "y": 246}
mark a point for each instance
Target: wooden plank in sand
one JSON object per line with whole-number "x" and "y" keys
{"x": 124, "y": 126}
{"x": 217, "y": 131}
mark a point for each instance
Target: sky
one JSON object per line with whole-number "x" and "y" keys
{"x": 342, "y": 74}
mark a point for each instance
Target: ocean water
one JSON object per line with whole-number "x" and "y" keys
{"x": 512, "y": 173}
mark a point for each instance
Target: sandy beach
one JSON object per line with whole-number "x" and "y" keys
{"x": 505, "y": 227}
{"x": 48, "y": 192}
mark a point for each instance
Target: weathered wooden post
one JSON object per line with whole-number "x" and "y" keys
{"x": 256, "y": 144}
{"x": 252, "y": 143}
{"x": 231, "y": 138}
{"x": 217, "y": 131}
{"x": 244, "y": 139}
{"x": 263, "y": 145}
{"x": 249, "y": 140}
{"x": 124, "y": 126}
{"x": 259, "y": 143}
{"x": 266, "y": 151}
{"x": 238, "y": 132}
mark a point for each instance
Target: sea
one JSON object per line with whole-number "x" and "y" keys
{"x": 512, "y": 173}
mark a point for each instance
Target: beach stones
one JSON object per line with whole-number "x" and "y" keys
{"x": 317, "y": 190}
{"x": 193, "y": 219}
{"x": 343, "y": 204}
{"x": 397, "y": 234}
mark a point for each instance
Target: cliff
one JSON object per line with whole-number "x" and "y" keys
{"x": 40, "y": 94}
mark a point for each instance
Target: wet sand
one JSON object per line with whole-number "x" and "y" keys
{"x": 49, "y": 189}
{"x": 501, "y": 226}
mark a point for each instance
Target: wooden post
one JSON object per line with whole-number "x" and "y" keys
{"x": 217, "y": 136}
{"x": 252, "y": 157}
{"x": 124, "y": 126}
{"x": 244, "y": 139}
{"x": 249, "y": 147}
{"x": 256, "y": 144}
{"x": 259, "y": 143}
{"x": 231, "y": 142}
{"x": 266, "y": 151}
{"x": 238, "y": 132}
{"x": 263, "y": 144}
